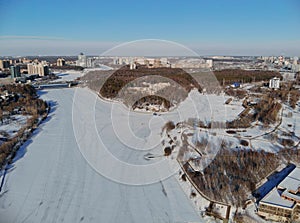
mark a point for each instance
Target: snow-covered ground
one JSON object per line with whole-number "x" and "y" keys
{"x": 200, "y": 202}
{"x": 52, "y": 182}
{"x": 13, "y": 124}
{"x": 209, "y": 107}
{"x": 291, "y": 120}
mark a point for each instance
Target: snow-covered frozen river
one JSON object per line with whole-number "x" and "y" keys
{"x": 52, "y": 182}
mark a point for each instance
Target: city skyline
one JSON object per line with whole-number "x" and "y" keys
{"x": 208, "y": 28}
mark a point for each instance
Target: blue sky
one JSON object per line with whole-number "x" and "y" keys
{"x": 212, "y": 27}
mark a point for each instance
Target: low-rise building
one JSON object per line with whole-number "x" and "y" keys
{"x": 274, "y": 83}
{"x": 283, "y": 203}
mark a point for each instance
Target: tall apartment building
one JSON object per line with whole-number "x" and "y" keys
{"x": 41, "y": 69}
{"x": 60, "y": 62}
{"x": 15, "y": 71}
{"x": 295, "y": 60}
{"x": 90, "y": 62}
{"x": 209, "y": 63}
{"x": 82, "y": 60}
{"x": 4, "y": 64}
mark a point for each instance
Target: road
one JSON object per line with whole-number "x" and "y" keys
{"x": 50, "y": 181}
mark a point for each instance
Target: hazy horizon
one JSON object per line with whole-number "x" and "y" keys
{"x": 38, "y": 47}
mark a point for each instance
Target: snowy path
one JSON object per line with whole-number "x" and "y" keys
{"x": 54, "y": 183}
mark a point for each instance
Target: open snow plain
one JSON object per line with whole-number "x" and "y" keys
{"x": 51, "y": 181}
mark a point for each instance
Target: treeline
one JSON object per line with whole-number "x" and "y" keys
{"x": 232, "y": 175}
{"x": 287, "y": 94}
{"x": 9, "y": 148}
{"x": 24, "y": 100}
{"x": 21, "y": 99}
{"x": 266, "y": 111}
{"x": 290, "y": 154}
{"x": 229, "y": 76}
{"x": 19, "y": 89}
{"x": 238, "y": 93}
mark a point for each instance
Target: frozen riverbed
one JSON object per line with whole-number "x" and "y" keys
{"x": 52, "y": 182}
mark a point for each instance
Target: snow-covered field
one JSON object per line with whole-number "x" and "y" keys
{"x": 208, "y": 107}
{"x": 52, "y": 182}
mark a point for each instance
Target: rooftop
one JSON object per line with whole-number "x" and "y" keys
{"x": 291, "y": 195}
{"x": 292, "y": 181}
{"x": 274, "y": 198}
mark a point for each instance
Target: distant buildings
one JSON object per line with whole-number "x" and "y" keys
{"x": 274, "y": 83}
{"x": 140, "y": 60}
{"x": 132, "y": 66}
{"x": 295, "y": 67}
{"x": 123, "y": 60}
{"x": 60, "y": 62}
{"x": 283, "y": 203}
{"x": 41, "y": 69}
{"x": 209, "y": 63}
{"x": 90, "y": 62}
{"x": 154, "y": 63}
{"x": 82, "y": 60}
{"x": 15, "y": 71}
{"x": 165, "y": 62}
{"x": 295, "y": 60}
{"x": 196, "y": 63}
{"x": 4, "y": 64}
{"x": 135, "y": 61}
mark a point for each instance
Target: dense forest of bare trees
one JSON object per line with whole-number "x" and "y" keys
{"x": 24, "y": 98}
{"x": 124, "y": 76}
{"x": 287, "y": 93}
{"x": 233, "y": 174}
{"x": 228, "y": 76}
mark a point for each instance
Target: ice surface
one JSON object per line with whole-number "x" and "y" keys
{"x": 54, "y": 183}
{"x": 68, "y": 75}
